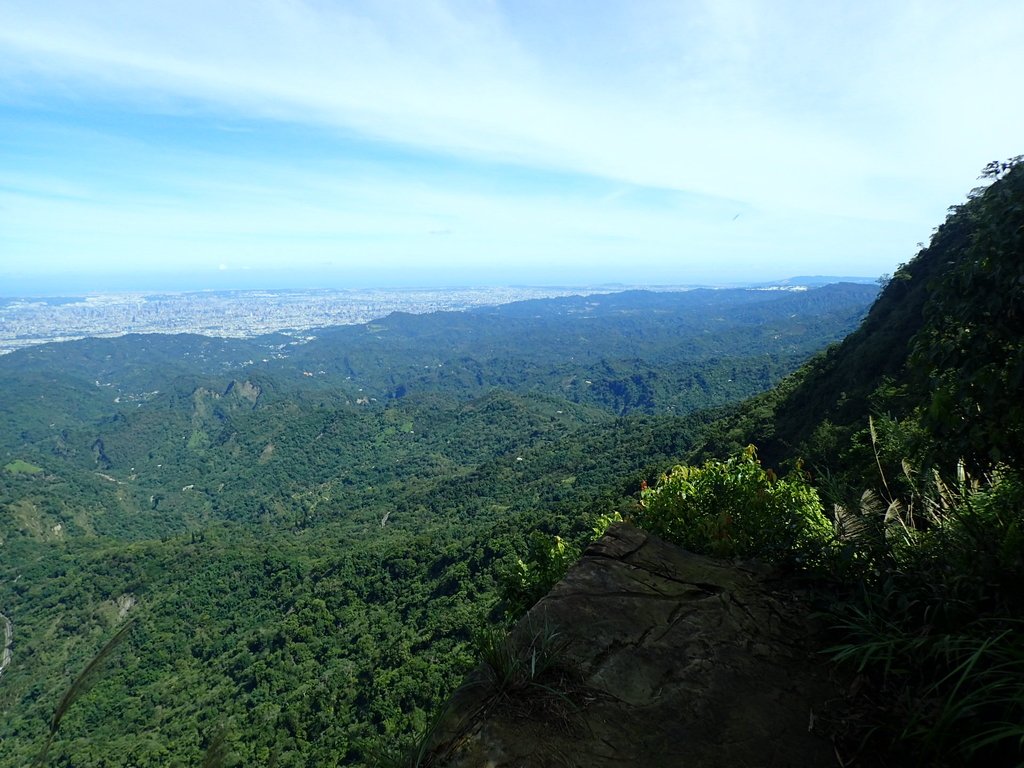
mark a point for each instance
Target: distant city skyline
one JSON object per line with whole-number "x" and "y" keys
{"x": 337, "y": 144}
{"x": 40, "y": 319}
{"x": 85, "y": 284}
{"x": 235, "y": 313}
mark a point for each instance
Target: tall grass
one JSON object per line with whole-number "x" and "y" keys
{"x": 526, "y": 671}
{"x": 934, "y": 629}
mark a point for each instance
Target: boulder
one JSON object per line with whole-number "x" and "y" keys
{"x": 648, "y": 655}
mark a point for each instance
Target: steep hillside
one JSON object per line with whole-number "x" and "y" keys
{"x": 941, "y": 346}
{"x": 912, "y": 433}
{"x": 312, "y": 537}
{"x": 307, "y": 533}
{"x": 908, "y": 532}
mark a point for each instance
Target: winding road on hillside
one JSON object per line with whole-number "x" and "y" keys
{"x": 5, "y": 657}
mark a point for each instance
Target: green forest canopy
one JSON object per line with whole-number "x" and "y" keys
{"x": 306, "y": 558}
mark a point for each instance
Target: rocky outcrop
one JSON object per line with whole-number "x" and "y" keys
{"x": 245, "y": 390}
{"x": 666, "y": 658}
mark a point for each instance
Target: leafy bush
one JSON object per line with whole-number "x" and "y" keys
{"x": 736, "y": 508}
{"x": 527, "y": 580}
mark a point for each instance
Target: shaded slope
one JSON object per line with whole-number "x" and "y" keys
{"x": 669, "y": 659}
{"x": 941, "y": 343}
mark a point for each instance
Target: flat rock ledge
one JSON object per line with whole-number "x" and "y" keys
{"x": 667, "y": 658}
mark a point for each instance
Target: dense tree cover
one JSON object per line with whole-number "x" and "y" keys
{"x": 652, "y": 352}
{"x": 973, "y": 345}
{"x": 912, "y": 429}
{"x": 737, "y": 508}
{"x": 307, "y": 536}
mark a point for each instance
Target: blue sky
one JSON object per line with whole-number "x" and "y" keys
{"x": 445, "y": 142}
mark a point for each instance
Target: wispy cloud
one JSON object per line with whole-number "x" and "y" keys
{"x": 806, "y": 114}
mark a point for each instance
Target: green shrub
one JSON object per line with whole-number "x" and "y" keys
{"x": 528, "y": 579}
{"x": 736, "y": 508}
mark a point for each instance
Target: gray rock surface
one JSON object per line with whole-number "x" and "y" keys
{"x": 667, "y": 659}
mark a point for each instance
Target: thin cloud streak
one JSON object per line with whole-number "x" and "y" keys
{"x": 869, "y": 113}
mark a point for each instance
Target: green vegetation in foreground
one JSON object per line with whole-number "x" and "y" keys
{"x": 19, "y": 467}
{"x": 919, "y": 456}
{"x": 735, "y": 508}
{"x": 932, "y": 612}
{"x": 914, "y": 432}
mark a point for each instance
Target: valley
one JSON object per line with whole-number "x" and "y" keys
{"x": 312, "y": 555}
{"x": 276, "y": 553}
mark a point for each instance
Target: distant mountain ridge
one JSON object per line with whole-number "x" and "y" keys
{"x": 308, "y": 532}
{"x": 817, "y": 281}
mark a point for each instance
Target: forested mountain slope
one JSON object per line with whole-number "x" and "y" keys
{"x": 308, "y": 532}
{"x": 630, "y": 351}
{"x": 941, "y": 347}
{"x": 901, "y": 517}
{"x": 912, "y": 432}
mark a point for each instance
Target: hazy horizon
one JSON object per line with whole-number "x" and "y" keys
{"x": 273, "y": 280}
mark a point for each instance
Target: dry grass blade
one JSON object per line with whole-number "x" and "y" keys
{"x": 80, "y": 686}
{"x": 878, "y": 458}
{"x": 870, "y": 504}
